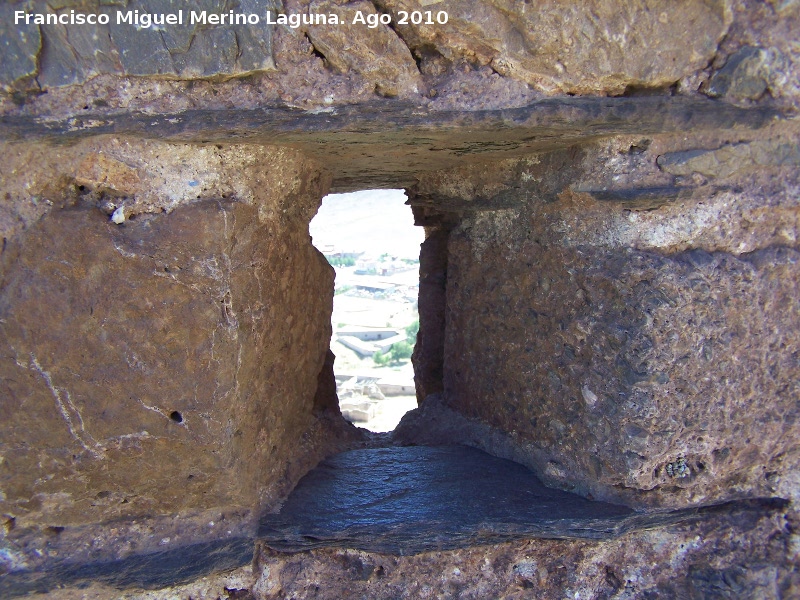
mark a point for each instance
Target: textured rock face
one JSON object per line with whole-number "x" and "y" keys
{"x": 150, "y": 177}
{"x": 428, "y": 357}
{"x": 378, "y": 55}
{"x": 702, "y": 561}
{"x": 758, "y": 57}
{"x": 107, "y": 371}
{"x": 490, "y": 54}
{"x": 57, "y": 55}
{"x": 588, "y": 48}
{"x": 595, "y": 47}
{"x": 635, "y": 347}
{"x": 622, "y": 363}
{"x": 163, "y": 363}
{"x": 737, "y": 554}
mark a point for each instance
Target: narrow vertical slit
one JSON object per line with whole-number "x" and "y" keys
{"x": 369, "y": 238}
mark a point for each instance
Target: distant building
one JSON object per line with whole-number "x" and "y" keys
{"x": 331, "y": 251}
{"x": 367, "y": 341}
{"x": 375, "y": 286}
{"x": 368, "y": 334}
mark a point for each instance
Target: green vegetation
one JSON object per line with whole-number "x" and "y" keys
{"x": 401, "y": 351}
{"x": 411, "y": 333}
{"x": 398, "y": 353}
{"x": 341, "y": 261}
{"x": 343, "y": 290}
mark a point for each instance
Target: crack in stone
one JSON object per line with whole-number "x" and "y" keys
{"x": 399, "y": 36}
{"x": 123, "y": 252}
{"x": 65, "y": 407}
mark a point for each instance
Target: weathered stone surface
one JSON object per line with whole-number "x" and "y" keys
{"x": 704, "y": 560}
{"x": 325, "y": 398}
{"x": 61, "y": 55}
{"x": 72, "y": 55}
{"x": 600, "y": 338}
{"x": 106, "y": 174}
{"x": 709, "y": 558}
{"x": 143, "y": 358}
{"x": 428, "y": 357}
{"x": 157, "y": 570}
{"x": 700, "y": 560}
{"x": 620, "y": 284}
{"x": 150, "y": 177}
{"x": 486, "y": 55}
{"x": 589, "y": 49}
{"x": 422, "y": 499}
{"x": 233, "y": 583}
{"x": 758, "y": 58}
{"x": 376, "y": 53}
{"x": 744, "y": 76}
{"x": 731, "y": 160}
{"x": 597, "y": 47}
{"x": 19, "y": 46}
{"x": 738, "y": 196}
{"x": 109, "y": 376}
{"x": 87, "y": 390}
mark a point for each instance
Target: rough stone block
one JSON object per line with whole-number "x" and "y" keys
{"x": 663, "y": 379}
{"x": 105, "y": 173}
{"x": 19, "y": 47}
{"x": 744, "y": 76}
{"x": 592, "y": 47}
{"x": 64, "y": 55}
{"x": 694, "y": 560}
{"x": 428, "y": 357}
{"x": 376, "y": 53}
{"x": 732, "y": 159}
{"x": 135, "y": 355}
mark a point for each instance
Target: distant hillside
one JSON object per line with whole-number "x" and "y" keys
{"x": 374, "y": 221}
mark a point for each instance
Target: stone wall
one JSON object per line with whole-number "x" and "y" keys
{"x": 489, "y": 54}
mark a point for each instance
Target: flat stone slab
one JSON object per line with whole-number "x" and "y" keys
{"x": 389, "y": 500}
{"x": 391, "y": 143}
{"x": 418, "y": 499}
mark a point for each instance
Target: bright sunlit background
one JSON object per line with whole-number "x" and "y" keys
{"x": 370, "y": 239}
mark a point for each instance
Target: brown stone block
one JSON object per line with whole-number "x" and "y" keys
{"x": 656, "y": 379}
{"x": 143, "y": 364}
{"x": 592, "y": 47}
{"x": 376, "y": 53}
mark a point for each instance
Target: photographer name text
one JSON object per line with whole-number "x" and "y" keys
{"x": 142, "y": 20}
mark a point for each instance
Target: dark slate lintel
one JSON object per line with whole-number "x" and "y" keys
{"x": 393, "y": 501}
{"x": 387, "y": 143}
{"x": 548, "y": 120}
